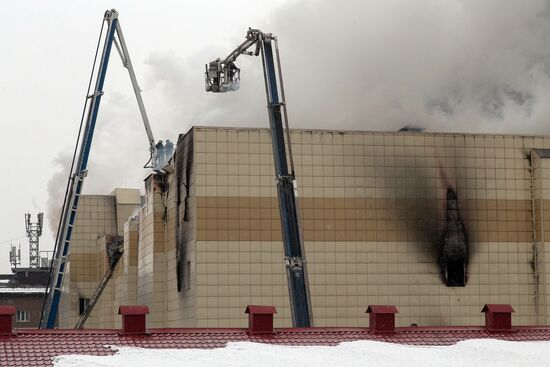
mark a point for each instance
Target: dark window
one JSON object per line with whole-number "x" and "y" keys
{"x": 187, "y": 278}
{"x": 179, "y": 274}
{"x": 456, "y": 274}
{"x": 83, "y": 305}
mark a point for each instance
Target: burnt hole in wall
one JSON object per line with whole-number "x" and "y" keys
{"x": 186, "y": 200}
{"x": 83, "y": 305}
{"x": 178, "y": 275}
{"x": 453, "y": 246}
{"x": 456, "y": 273}
{"x": 114, "y": 248}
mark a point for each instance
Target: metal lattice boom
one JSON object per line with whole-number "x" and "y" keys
{"x": 34, "y": 231}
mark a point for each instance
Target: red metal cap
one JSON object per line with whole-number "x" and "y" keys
{"x": 501, "y": 308}
{"x": 382, "y": 309}
{"x": 261, "y": 309}
{"x": 260, "y": 319}
{"x": 133, "y": 310}
{"x": 133, "y": 319}
{"x": 382, "y": 318}
{"x": 6, "y": 315}
{"x": 498, "y": 317}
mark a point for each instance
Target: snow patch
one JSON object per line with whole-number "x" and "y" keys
{"x": 471, "y": 353}
{"x": 25, "y": 290}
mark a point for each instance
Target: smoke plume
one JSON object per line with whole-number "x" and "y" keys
{"x": 456, "y": 65}
{"x": 464, "y": 66}
{"x": 56, "y": 190}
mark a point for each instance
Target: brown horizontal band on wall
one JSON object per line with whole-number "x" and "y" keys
{"x": 369, "y": 203}
{"x": 361, "y": 219}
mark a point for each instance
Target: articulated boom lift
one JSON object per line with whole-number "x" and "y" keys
{"x": 224, "y": 75}
{"x": 80, "y": 164}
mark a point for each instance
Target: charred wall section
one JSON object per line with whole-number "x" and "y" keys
{"x": 184, "y": 226}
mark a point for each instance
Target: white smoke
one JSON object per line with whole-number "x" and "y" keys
{"x": 56, "y": 189}
{"x": 455, "y": 65}
{"x": 180, "y": 100}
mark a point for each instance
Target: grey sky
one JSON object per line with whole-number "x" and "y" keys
{"x": 455, "y": 65}
{"x": 47, "y": 51}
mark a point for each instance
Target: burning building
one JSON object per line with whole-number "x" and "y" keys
{"x": 380, "y": 226}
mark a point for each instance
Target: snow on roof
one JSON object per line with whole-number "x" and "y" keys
{"x": 11, "y": 290}
{"x": 32, "y": 347}
{"x": 472, "y": 353}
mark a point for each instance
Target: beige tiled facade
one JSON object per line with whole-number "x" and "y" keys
{"x": 207, "y": 241}
{"x": 97, "y": 220}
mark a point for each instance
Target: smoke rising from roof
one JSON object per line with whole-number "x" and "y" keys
{"x": 462, "y": 66}
{"x": 458, "y": 65}
{"x": 56, "y": 190}
{"x": 448, "y": 66}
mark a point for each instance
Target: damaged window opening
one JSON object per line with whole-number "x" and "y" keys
{"x": 183, "y": 161}
{"x": 186, "y": 203}
{"x": 453, "y": 257}
{"x": 455, "y": 273}
{"x": 83, "y": 305}
{"x": 178, "y": 276}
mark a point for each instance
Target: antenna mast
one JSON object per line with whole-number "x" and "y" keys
{"x": 15, "y": 256}
{"x": 34, "y": 231}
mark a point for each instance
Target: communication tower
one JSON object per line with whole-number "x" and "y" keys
{"x": 34, "y": 231}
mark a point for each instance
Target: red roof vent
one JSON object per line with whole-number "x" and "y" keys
{"x": 382, "y": 318}
{"x": 498, "y": 317}
{"x": 6, "y": 315}
{"x": 260, "y": 319}
{"x": 133, "y": 319}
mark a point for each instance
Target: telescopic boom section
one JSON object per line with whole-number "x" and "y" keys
{"x": 80, "y": 165}
{"x": 127, "y": 63}
{"x": 222, "y": 76}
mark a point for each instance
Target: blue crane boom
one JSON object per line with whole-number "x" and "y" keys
{"x": 79, "y": 170}
{"x": 224, "y": 75}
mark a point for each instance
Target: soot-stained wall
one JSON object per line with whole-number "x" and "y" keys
{"x": 375, "y": 210}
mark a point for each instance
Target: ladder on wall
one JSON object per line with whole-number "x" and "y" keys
{"x": 115, "y": 257}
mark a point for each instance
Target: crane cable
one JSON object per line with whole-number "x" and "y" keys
{"x": 70, "y": 178}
